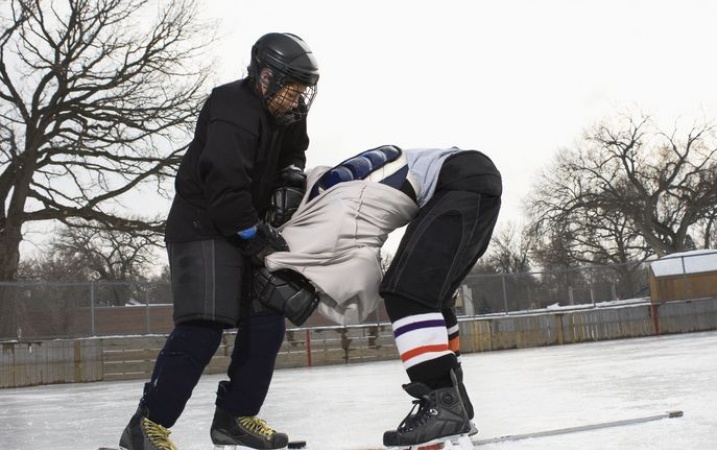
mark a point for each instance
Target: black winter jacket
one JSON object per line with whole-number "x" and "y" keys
{"x": 226, "y": 177}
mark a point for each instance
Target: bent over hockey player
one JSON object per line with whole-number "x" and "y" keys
{"x": 250, "y": 137}
{"x": 450, "y": 199}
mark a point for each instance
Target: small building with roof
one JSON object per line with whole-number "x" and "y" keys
{"x": 683, "y": 276}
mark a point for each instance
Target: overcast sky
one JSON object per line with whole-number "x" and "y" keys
{"x": 516, "y": 79}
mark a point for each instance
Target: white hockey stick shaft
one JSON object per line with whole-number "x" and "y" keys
{"x": 595, "y": 426}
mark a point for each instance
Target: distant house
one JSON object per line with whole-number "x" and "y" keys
{"x": 687, "y": 275}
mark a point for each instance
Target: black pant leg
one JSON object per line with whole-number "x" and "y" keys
{"x": 257, "y": 345}
{"x": 440, "y": 246}
{"x": 187, "y": 351}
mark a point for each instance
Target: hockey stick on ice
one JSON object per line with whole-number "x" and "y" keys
{"x": 595, "y": 426}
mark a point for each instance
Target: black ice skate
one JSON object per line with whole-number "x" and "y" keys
{"x": 143, "y": 434}
{"x": 466, "y": 399}
{"x": 440, "y": 417}
{"x": 464, "y": 394}
{"x": 249, "y": 431}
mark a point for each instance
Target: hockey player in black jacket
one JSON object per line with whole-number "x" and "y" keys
{"x": 250, "y": 139}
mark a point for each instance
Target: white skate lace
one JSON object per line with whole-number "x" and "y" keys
{"x": 255, "y": 425}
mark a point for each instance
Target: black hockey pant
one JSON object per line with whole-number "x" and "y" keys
{"x": 189, "y": 349}
{"x": 440, "y": 246}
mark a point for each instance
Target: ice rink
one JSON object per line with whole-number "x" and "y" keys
{"x": 350, "y": 406}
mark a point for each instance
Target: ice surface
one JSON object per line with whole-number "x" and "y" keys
{"x": 350, "y": 406}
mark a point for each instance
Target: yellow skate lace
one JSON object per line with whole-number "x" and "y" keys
{"x": 158, "y": 435}
{"x": 255, "y": 425}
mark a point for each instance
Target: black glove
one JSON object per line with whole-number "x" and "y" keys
{"x": 292, "y": 176}
{"x": 267, "y": 240}
{"x": 284, "y": 203}
{"x": 287, "y": 292}
{"x": 287, "y": 196}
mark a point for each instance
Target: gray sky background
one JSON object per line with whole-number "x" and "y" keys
{"x": 516, "y": 79}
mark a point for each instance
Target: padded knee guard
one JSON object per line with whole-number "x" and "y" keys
{"x": 287, "y": 292}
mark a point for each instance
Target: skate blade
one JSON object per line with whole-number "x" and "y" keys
{"x": 238, "y": 447}
{"x": 290, "y": 446}
{"x": 459, "y": 442}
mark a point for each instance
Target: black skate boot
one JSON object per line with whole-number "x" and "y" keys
{"x": 464, "y": 394}
{"x": 249, "y": 431}
{"x": 143, "y": 434}
{"x": 466, "y": 399}
{"x": 441, "y": 416}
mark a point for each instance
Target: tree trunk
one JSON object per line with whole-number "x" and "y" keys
{"x": 10, "y": 239}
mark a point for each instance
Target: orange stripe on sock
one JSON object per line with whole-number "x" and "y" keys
{"x": 455, "y": 344}
{"x": 421, "y": 350}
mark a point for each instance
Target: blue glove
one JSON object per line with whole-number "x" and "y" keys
{"x": 261, "y": 240}
{"x": 248, "y": 233}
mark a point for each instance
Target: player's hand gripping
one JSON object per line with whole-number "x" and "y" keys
{"x": 264, "y": 241}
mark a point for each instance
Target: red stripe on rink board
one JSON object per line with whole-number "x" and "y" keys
{"x": 421, "y": 350}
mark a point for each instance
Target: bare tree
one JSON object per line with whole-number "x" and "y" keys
{"x": 52, "y": 266}
{"x": 95, "y": 100}
{"x": 508, "y": 252}
{"x": 112, "y": 255}
{"x": 87, "y": 253}
{"x": 626, "y": 192}
{"x": 119, "y": 261}
{"x": 508, "y": 255}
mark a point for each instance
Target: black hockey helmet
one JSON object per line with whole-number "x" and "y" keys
{"x": 289, "y": 60}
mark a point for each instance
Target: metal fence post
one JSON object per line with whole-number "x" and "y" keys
{"x": 467, "y": 296}
{"x": 530, "y": 298}
{"x": 685, "y": 280}
{"x": 505, "y": 294}
{"x": 146, "y": 303}
{"x": 92, "y": 308}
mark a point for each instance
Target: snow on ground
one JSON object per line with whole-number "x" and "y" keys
{"x": 349, "y": 406}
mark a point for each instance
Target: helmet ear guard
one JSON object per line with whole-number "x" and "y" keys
{"x": 265, "y": 77}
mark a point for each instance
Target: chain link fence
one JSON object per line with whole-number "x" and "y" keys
{"x": 531, "y": 291}
{"x": 42, "y": 310}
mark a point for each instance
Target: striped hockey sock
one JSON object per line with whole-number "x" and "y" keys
{"x": 421, "y": 338}
{"x": 454, "y": 340}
